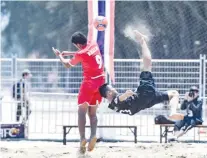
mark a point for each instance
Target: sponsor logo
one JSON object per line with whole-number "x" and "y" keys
{"x": 12, "y": 131}
{"x": 9, "y": 132}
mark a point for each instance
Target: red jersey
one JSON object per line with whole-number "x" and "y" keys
{"x": 91, "y": 60}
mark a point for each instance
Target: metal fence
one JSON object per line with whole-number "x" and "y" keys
{"x": 53, "y": 94}
{"x": 50, "y": 76}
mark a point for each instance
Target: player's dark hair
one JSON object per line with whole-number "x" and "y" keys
{"x": 103, "y": 90}
{"x": 79, "y": 38}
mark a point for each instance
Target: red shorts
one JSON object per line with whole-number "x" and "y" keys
{"x": 89, "y": 91}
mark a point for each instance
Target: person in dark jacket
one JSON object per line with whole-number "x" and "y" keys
{"x": 193, "y": 106}
{"x": 19, "y": 91}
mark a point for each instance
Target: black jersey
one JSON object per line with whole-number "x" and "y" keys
{"x": 146, "y": 96}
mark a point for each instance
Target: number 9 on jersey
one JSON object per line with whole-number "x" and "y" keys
{"x": 99, "y": 61}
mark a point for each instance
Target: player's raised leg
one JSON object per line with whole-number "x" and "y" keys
{"x": 174, "y": 101}
{"x": 147, "y": 66}
{"x": 145, "y": 53}
{"x": 93, "y": 123}
{"x": 82, "y": 110}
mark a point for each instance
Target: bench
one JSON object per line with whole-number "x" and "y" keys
{"x": 65, "y": 132}
{"x": 164, "y": 134}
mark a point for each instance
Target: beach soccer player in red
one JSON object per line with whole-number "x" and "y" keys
{"x": 89, "y": 56}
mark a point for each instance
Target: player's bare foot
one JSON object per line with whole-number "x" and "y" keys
{"x": 140, "y": 37}
{"x": 92, "y": 144}
{"x": 82, "y": 149}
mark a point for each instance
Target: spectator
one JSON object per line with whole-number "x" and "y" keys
{"x": 193, "y": 106}
{"x": 20, "y": 90}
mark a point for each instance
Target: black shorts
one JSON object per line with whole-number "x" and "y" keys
{"x": 147, "y": 93}
{"x": 19, "y": 110}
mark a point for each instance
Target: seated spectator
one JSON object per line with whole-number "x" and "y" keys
{"x": 193, "y": 106}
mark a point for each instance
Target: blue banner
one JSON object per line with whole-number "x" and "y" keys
{"x": 12, "y": 131}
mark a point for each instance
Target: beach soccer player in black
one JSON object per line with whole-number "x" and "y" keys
{"x": 146, "y": 95}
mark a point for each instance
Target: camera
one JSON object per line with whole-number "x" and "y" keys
{"x": 192, "y": 91}
{"x": 191, "y": 94}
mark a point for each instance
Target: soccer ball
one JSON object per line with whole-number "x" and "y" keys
{"x": 100, "y": 23}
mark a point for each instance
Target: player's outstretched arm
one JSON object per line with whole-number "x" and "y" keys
{"x": 145, "y": 54}
{"x": 67, "y": 53}
{"x": 125, "y": 95}
{"x": 64, "y": 61}
{"x": 64, "y": 53}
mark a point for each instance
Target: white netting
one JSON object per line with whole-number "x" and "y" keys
{"x": 6, "y": 73}
{"x": 175, "y": 29}
{"x": 49, "y": 75}
{"x": 168, "y": 74}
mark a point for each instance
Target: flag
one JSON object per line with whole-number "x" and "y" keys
{"x": 105, "y": 39}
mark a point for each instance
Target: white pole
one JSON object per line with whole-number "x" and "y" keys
{"x": 200, "y": 75}
{"x": 0, "y": 89}
{"x": 204, "y": 87}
